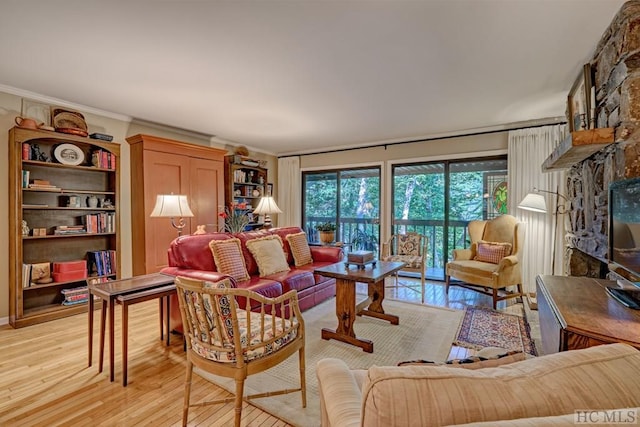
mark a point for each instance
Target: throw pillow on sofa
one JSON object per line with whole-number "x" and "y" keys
{"x": 489, "y": 357}
{"x": 227, "y": 254}
{"x": 269, "y": 254}
{"x": 300, "y": 248}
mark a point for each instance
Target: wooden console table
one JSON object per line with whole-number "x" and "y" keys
{"x": 576, "y": 312}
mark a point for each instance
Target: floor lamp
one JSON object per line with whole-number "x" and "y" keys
{"x": 172, "y": 206}
{"x": 535, "y": 202}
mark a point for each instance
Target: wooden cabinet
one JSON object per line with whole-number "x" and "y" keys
{"x": 65, "y": 199}
{"x": 576, "y": 312}
{"x": 246, "y": 183}
{"x": 165, "y": 166}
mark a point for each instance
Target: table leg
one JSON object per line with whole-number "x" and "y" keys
{"x": 125, "y": 342}
{"x": 346, "y": 314}
{"x": 376, "y": 295}
{"x": 168, "y": 298}
{"x": 161, "y": 319}
{"x": 90, "y": 317}
{"x": 112, "y": 350}
{"x": 103, "y": 325}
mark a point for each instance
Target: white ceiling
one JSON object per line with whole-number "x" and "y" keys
{"x": 300, "y": 76}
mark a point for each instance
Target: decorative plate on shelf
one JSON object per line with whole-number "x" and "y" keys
{"x": 68, "y": 154}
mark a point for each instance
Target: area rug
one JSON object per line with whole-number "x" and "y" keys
{"x": 424, "y": 332}
{"x": 484, "y": 327}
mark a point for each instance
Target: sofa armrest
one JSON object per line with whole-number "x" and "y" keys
{"x": 326, "y": 253}
{"x": 210, "y": 276}
{"x": 340, "y": 396}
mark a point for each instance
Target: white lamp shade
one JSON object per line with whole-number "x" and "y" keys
{"x": 171, "y": 206}
{"x": 533, "y": 202}
{"x": 267, "y": 206}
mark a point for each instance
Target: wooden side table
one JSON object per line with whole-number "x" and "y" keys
{"x": 576, "y": 312}
{"x": 149, "y": 286}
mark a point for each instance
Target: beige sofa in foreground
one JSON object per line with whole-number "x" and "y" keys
{"x": 535, "y": 392}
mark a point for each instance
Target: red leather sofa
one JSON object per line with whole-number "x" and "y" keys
{"x": 190, "y": 256}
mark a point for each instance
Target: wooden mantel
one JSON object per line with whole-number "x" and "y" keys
{"x": 576, "y": 147}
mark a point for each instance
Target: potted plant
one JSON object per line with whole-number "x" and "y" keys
{"x": 326, "y": 231}
{"x": 363, "y": 241}
{"x": 235, "y": 220}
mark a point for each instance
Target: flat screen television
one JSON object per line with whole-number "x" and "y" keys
{"x": 624, "y": 237}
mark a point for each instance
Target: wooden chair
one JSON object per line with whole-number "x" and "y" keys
{"x": 215, "y": 330}
{"x": 492, "y": 263}
{"x": 410, "y": 248}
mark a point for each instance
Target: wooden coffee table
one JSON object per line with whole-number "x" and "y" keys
{"x": 346, "y": 308}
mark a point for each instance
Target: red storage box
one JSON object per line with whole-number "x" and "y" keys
{"x": 70, "y": 276}
{"x": 70, "y": 266}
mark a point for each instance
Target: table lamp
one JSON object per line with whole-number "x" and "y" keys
{"x": 266, "y": 207}
{"x": 172, "y": 206}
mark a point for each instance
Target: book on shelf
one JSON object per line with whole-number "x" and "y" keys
{"x": 35, "y": 205}
{"x": 43, "y": 187}
{"x": 26, "y": 275}
{"x": 69, "y": 229}
{"x": 25, "y": 178}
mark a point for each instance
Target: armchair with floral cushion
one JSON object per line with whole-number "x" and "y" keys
{"x": 410, "y": 248}
{"x": 492, "y": 263}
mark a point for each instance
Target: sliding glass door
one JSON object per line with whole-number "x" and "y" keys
{"x": 438, "y": 199}
{"x": 350, "y": 198}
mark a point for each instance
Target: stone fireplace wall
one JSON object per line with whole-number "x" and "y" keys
{"x": 617, "y": 81}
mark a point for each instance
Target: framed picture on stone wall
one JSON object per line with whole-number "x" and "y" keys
{"x": 579, "y": 113}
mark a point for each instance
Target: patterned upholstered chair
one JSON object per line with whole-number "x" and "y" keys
{"x": 410, "y": 248}
{"x": 492, "y": 263}
{"x": 224, "y": 339}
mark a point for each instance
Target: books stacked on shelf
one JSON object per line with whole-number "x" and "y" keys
{"x": 103, "y": 159}
{"x": 102, "y": 222}
{"x": 69, "y": 229}
{"x": 75, "y": 296}
{"x": 42, "y": 184}
{"x": 102, "y": 263}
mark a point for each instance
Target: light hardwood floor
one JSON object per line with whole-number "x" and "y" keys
{"x": 45, "y": 380}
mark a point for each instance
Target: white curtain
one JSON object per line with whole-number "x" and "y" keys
{"x": 528, "y": 149}
{"x": 289, "y": 192}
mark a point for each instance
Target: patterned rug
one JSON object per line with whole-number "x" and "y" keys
{"x": 483, "y": 327}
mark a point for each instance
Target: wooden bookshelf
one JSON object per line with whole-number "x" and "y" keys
{"x": 48, "y": 208}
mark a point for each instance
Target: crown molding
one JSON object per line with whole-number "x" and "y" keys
{"x": 61, "y": 103}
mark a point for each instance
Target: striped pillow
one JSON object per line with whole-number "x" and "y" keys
{"x": 227, "y": 254}
{"x": 300, "y": 248}
{"x": 492, "y": 252}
